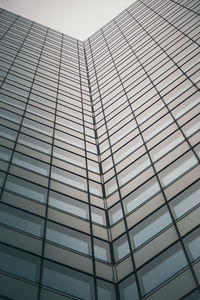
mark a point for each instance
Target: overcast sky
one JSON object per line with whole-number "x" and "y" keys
{"x": 77, "y": 18}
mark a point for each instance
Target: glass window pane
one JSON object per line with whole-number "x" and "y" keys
{"x": 26, "y": 188}
{"x": 34, "y": 143}
{"x": 115, "y": 213}
{"x": 150, "y": 227}
{"x": 68, "y": 238}
{"x": 2, "y": 178}
{"x": 19, "y": 263}
{"x": 68, "y": 281}
{"x": 5, "y": 153}
{"x": 101, "y": 250}
{"x": 69, "y": 157}
{"x": 178, "y": 168}
{"x": 128, "y": 289}
{"x": 184, "y": 202}
{"x": 146, "y": 191}
{"x": 21, "y": 220}
{"x": 192, "y": 243}
{"x": 105, "y": 290}
{"x": 162, "y": 267}
{"x": 68, "y": 178}
{"x": 69, "y": 205}
{"x": 98, "y": 216}
{"x": 134, "y": 169}
{"x": 30, "y": 163}
{"x": 121, "y": 248}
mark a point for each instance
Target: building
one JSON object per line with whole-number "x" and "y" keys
{"x": 100, "y": 157}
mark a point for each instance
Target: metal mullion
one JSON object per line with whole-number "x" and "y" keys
{"x": 20, "y": 125}
{"x": 184, "y": 6}
{"x": 169, "y": 22}
{"x": 117, "y": 181}
{"x": 103, "y": 187}
{"x": 183, "y": 74}
{"x": 162, "y": 189}
{"x": 48, "y": 189}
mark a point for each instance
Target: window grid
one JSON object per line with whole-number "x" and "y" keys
{"x": 69, "y": 111}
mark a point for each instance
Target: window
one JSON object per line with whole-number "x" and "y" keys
{"x": 101, "y": 250}
{"x": 68, "y": 204}
{"x": 150, "y": 227}
{"x": 37, "y": 126}
{"x": 69, "y": 157}
{"x": 115, "y": 213}
{"x": 128, "y": 289}
{"x": 105, "y": 290}
{"x": 161, "y": 268}
{"x": 5, "y": 153}
{"x": 30, "y": 164}
{"x": 178, "y": 168}
{"x": 19, "y": 263}
{"x": 34, "y": 143}
{"x": 192, "y": 244}
{"x": 26, "y": 189}
{"x": 21, "y": 220}
{"x": 2, "y": 178}
{"x": 145, "y": 192}
{"x": 167, "y": 145}
{"x": 134, "y": 169}
{"x": 68, "y": 178}
{"x": 68, "y": 238}
{"x": 13, "y": 117}
{"x": 68, "y": 281}
{"x": 8, "y": 133}
{"x": 184, "y": 202}
{"x": 121, "y": 248}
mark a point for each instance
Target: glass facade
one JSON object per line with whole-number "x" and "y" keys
{"x": 99, "y": 157}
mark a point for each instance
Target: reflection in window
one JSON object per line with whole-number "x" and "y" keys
{"x": 128, "y": 149}
{"x": 64, "y": 137}
{"x": 167, "y": 145}
{"x": 37, "y": 126}
{"x": 68, "y": 178}
{"x": 2, "y": 178}
{"x": 68, "y": 204}
{"x": 98, "y": 215}
{"x": 19, "y": 263}
{"x": 101, "y": 250}
{"x": 134, "y": 169}
{"x": 69, "y": 238}
{"x": 21, "y": 220}
{"x": 146, "y": 191}
{"x": 34, "y": 143}
{"x": 68, "y": 281}
{"x": 121, "y": 248}
{"x": 26, "y": 189}
{"x": 30, "y": 163}
{"x": 161, "y": 268}
{"x": 184, "y": 202}
{"x": 105, "y": 290}
{"x": 115, "y": 214}
{"x": 178, "y": 168}
{"x": 13, "y": 117}
{"x": 8, "y": 133}
{"x": 69, "y": 157}
{"x": 128, "y": 289}
{"x": 192, "y": 244}
{"x": 5, "y": 153}
{"x": 150, "y": 227}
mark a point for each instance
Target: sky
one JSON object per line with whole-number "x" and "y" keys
{"x": 77, "y": 18}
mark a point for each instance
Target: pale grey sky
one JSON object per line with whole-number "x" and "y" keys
{"x": 77, "y": 18}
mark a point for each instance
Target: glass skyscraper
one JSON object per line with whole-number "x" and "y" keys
{"x": 100, "y": 157}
